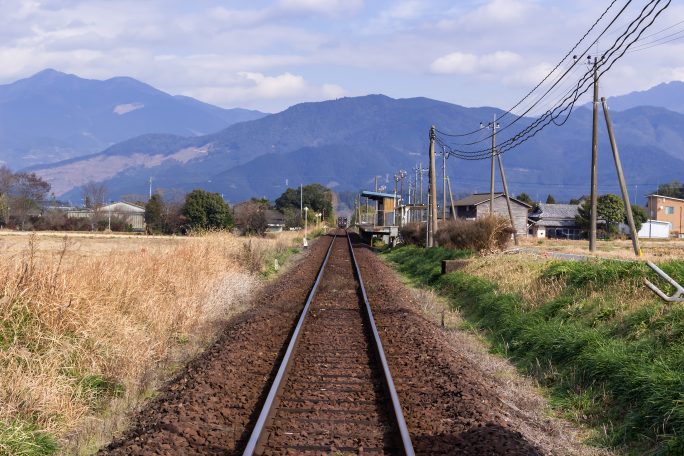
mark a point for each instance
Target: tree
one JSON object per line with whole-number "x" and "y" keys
{"x": 26, "y": 192}
{"x": 640, "y": 216}
{"x": 94, "y": 194}
{"x": 206, "y": 210}
{"x": 674, "y": 189}
{"x": 315, "y": 196}
{"x": 154, "y": 214}
{"x": 575, "y": 201}
{"x": 550, "y": 199}
{"x": 250, "y": 216}
{"x": 525, "y": 198}
{"x": 610, "y": 209}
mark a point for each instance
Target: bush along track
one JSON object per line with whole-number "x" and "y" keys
{"x": 611, "y": 354}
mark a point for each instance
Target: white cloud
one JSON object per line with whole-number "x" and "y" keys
{"x": 467, "y": 63}
{"x": 250, "y": 89}
{"x": 326, "y": 7}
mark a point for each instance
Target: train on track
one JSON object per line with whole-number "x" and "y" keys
{"x": 342, "y": 222}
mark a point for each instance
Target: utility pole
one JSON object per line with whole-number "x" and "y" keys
{"x": 508, "y": 199}
{"x": 444, "y": 184}
{"x": 594, "y": 163}
{"x": 493, "y": 126}
{"x": 301, "y": 200}
{"x": 150, "y": 187}
{"x": 621, "y": 178}
{"x": 451, "y": 198}
{"x": 420, "y": 174}
{"x": 433, "y": 189}
{"x": 376, "y": 183}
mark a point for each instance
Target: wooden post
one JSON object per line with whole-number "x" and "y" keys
{"x": 508, "y": 200}
{"x": 433, "y": 189}
{"x": 621, "y": 178}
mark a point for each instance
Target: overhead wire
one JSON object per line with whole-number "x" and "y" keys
{"x": 581, "y": 88}
{"x": 509, "y": 111}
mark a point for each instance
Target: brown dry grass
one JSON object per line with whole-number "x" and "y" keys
{"x": 87, "y": 325}
{"x": 653, "y": 249}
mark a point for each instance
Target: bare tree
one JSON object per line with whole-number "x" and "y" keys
{"x": 94, "y": 194}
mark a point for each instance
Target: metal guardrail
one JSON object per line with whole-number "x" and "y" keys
{"x": 677, "y": 296}
{"x": 377, "y": 344}
{"x": 256, "y": 439}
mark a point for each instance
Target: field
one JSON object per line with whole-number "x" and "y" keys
{"x": 92, "y": 323}
{"x": 653, "y": 249}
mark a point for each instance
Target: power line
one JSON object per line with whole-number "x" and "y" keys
{"x": 509, "y": 111}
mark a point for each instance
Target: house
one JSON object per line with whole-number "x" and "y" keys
{"x": 555, "y": 221}
{"x": 130, "y": 213}
{"x": 275, "y": 220}
{"x": 667, "y": 209}
{"x": 477, "y": 205}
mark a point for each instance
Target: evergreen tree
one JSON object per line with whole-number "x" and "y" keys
{"x": 609, "y": 208}
{"x": 550, "y": 199}
{"x": 154, "y": 214}
{"x": 207, "y": 210}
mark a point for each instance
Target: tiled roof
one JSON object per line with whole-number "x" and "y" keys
{"x": 556, "y": 211}
{"x": 478, "y": 198}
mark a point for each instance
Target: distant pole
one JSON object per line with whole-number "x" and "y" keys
{"x": 621, "y": 179}
{"x": 508, "y": 199}
{"x": 491, "y": 182}
{"x": 420, "y": 174}
{"x": 594, "y": 164}
{"x": 301, "y": 200}
{"x": 444, "y": 184}
{"x": 306, "y": 219}
{"x": 150, "y": 187}
{"x": 433, "y": 189}
{"x": 376, "y": 183}
{"x": 451, "y": 198}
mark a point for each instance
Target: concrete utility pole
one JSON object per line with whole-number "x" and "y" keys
{"x": 301, "y": 200}
{"x": 451, "y": 198}
{"x": 508, "y": 199}
{"x": 621, "y": 178}
{"x": 150, "y": 187}
{"x": 444, "y": 183}
{"x": 493, "y": 126}
{"x": 433, "y": 189}
{"x": 594, "y": 163}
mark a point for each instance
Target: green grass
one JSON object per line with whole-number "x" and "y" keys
{"x": 605, "y": 364}
{"x": 18, "y": 438}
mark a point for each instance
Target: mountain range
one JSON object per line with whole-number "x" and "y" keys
{"x": 344, "y": 143}
{"x": 53, "y": 116}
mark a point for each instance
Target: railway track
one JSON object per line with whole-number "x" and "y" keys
{"x": 333, "y": 392}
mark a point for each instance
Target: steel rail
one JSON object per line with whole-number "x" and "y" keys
{"x": 398, "y": 415}
{"x": 256, "y": 437}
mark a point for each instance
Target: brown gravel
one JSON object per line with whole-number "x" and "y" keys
{"x": 451, "y": 405}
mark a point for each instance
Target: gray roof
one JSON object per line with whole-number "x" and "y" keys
{"x": 556, "y": 211}
{"x": 376, "y": 195}
{"x": 478, "y": 198}
{"x": 557, "y": 223}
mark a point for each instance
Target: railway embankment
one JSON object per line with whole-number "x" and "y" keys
{"x": 607, "y": 351}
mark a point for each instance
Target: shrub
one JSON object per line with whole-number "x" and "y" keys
{"x": 413, "y": 233}
{"x": 486, "y": 234}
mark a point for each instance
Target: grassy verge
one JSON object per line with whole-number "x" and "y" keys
{"x": 87, "y": 335}
{"x": 611, "y": 355}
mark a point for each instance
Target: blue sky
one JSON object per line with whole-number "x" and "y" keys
{"x": 271, "y": 54}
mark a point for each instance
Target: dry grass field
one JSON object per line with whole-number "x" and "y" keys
{"x": 653, "y": 249}
{"x": 89, "y": 324}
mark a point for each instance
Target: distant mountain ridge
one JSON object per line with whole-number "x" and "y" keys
{"x": 53, "y": 116}
{"x": 344, "y": 143}
{"x": 668, "y": 95}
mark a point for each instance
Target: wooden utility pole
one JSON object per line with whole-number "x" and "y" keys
{"x": 433, "y": 190}
{"x": 621, "y": 178}
{"x": 420, "y": 176}
{"x": 594, "y": 164}
{"x": 508, "y": 200}
{"x": 451, "y": 197}
{"x": 494, "y": 126}
{"x": 444, "y": 184}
